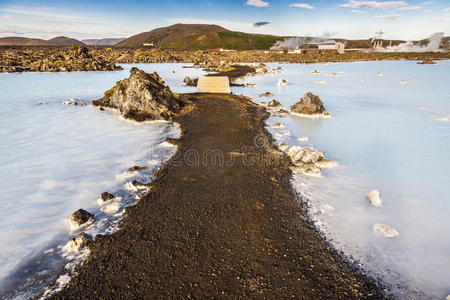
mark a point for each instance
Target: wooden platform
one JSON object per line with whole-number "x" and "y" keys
{"x": 213, "y": 84}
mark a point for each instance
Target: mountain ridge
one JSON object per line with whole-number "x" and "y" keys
{"x": 24, "y": 41}
{"x": 199, "y": 37}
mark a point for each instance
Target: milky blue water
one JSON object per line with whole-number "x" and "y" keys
{"x": 385, "y": 135}
{"x": 55, "y": 159}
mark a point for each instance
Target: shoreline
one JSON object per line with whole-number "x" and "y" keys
{"x": 53, "y": 262}
{"x": 238, "y": 229}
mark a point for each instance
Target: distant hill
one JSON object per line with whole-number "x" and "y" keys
{"x": 22, "y": 41}
{"x": 199, "y": 36}
{"x": 103, "y": 42}
{"x": 64, "y": 41}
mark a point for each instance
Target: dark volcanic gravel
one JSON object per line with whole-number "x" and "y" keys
{"x": 210, "y": 228}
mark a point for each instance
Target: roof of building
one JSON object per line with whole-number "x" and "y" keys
{"x": 326, "y": 43}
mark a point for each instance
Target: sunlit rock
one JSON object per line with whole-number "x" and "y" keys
{"x": 80, "y": 218}
{"x": 77, "y": 243}
{"x": 267, "y": 94}
{"x": 273, "y": 104}
{"x": 277, "y": 125}
{"x": 384, "y": 230}
{"x": 282, "y": 82}
{"x": 111, "y": 208}
{"x": 309, "y": 170}
{"x": 283, "y": 146}
{"x": 374, "y": 198}
{"x": 309, "y": 105}
{"x": 326, "y": 163}
{"x": 75, "y": 101}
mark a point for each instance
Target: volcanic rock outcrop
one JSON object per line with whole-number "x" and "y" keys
{"x": 141, "y": 97}
{"x": 80, "y": 218}
{"x": 79, "y": 242}
{"x": 311, "y": 105}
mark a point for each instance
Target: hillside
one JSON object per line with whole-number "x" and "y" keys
{"x": 103, "y": 42}
{"x": 22, "y": 41}
{"x": 199, "y": 36}
{"x": 64, "y": 41}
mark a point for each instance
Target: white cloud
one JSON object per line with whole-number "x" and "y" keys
{"x": 302, "y": 5}
{"x": 45, "y": 22}
{"x": 446, "y": 9}
{"x": 443, "y": 19}
{"x": 361, "y": 12}
{"x": 38, "y": 11}
{"x": 374, "y": 4}
{"x": 257, "y": 3}
{"x": 426, "y": 3}
{"x": 50, "y": 20}
{"x": 47, "y": 33}
{"x": 390, "y": 17}
{"x": 410, "y": 7}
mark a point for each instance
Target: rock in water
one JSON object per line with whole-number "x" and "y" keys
{"x": 282, "y": 82}
{"x": 277, "y": 125}
{"x": 309, "y": 104}
{"x": 111, "y": 208}
{"x": 190, "y": 81}
{"x": 139, "y": 185}
{"x": 79, "y": 242}
{"x": 384, "y": 230}
{"x": 374, "y": 198}
{"x": 283, "y": 113}
{"x": 326, "y": 163}
{"x": 141, "y": 97}
{"x": 274, "y": 103}
{"x": 136, "y": 168}
{"x": 75, "y": 101}
{"x": 80, "y": 218}
{"x": 267, "y": 94}
{"x": 283, "y": 146}
{"x": 105, "y": 196}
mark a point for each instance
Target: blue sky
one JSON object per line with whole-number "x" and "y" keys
{"x": 408, "y": 19}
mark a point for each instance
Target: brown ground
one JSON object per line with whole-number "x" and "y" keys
{"x": 206, "y": 230}
{"x": 57, "y": 59}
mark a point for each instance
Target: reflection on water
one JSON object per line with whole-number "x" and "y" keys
{"x": 308, "y": 127}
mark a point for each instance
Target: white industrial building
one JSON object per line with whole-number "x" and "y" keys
{"x": 332, "y": 45}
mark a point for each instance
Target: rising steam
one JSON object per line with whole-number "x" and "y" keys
{"x": 433, "y": 45}
{"x": 294, "y": 42}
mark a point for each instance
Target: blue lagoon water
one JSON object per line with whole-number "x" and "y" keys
{"x": 56, "y": 159}
{"x": 385, "y": 135}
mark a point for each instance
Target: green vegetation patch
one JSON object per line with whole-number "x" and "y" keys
{"x": 110, "y": 92}
{"x": 157, "y": 38}
{"x": 227, "y": 69}
{"x": 175, "y": 95}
